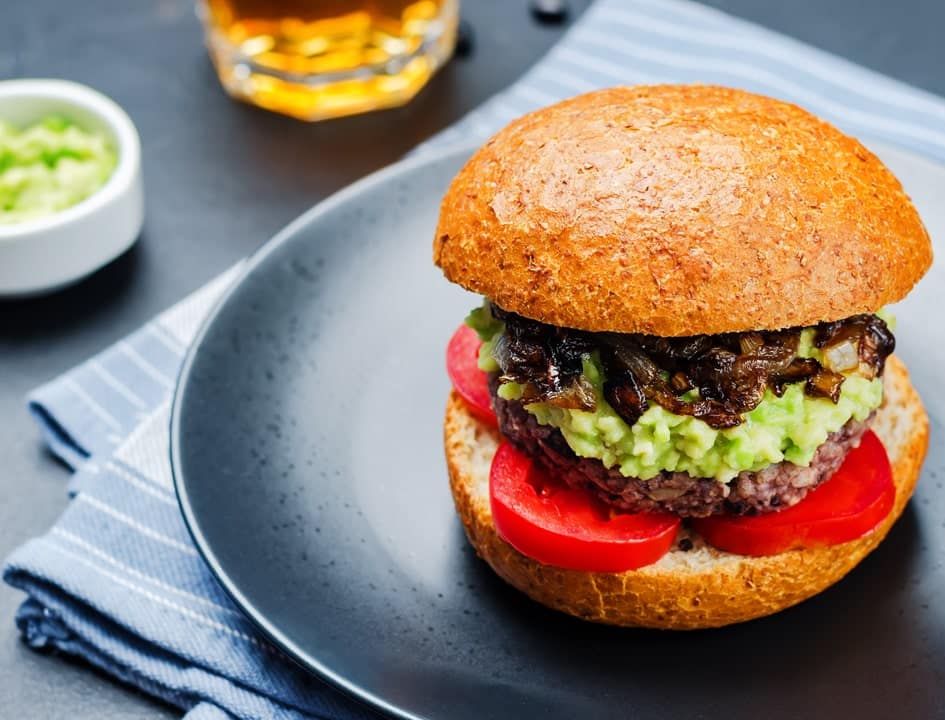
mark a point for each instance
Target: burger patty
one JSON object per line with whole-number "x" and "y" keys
{"x": 775, "y": 487}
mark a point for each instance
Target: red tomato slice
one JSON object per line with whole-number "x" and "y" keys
{"x": 850, "y": 504}
{"x": 555, "y": 525}
{"x": 462, "y": 356}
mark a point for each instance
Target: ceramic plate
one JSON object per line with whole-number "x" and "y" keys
{"x": 307, "y": 451}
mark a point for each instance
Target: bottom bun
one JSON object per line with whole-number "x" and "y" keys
{"x": 697, "y": 588}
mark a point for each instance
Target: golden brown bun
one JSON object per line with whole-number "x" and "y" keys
{"x": 699, "y": 588}
{"x": 679, "y": 210}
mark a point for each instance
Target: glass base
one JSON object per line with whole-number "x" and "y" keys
{"x": 318, "y": 96}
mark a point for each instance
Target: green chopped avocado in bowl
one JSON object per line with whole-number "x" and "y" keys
{"x": 49, "y": 166}
{"x": 786, "y": 428}
{"x": 71, "y": 190}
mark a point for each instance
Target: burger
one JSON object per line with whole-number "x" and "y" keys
{"x": 677, "y": 406}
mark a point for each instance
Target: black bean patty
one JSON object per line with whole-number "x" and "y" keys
{"x": 775, "y": 487}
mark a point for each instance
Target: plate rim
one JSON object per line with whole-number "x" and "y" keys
{"x": 405, "y": 165}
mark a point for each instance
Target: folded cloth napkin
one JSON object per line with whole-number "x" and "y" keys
{"x": 118, "y": 582}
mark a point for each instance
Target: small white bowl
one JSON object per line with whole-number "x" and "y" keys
{"x": 51, "y": 252}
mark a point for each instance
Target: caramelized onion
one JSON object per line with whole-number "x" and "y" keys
{"x": 842, "y": 356}
{"x": 625, "y": 395}
{"x": 874, "y": 342}
{"x": 731, "y": 372}
{"x": 548, "y": 361}
{"x": 824, "y": 383}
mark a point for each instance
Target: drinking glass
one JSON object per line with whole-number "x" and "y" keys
{"x": 316, "y": 59}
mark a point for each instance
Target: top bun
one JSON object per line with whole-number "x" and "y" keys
{"x": 678, "y": 210}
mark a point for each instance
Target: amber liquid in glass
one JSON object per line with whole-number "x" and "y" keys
{"x": 316, "y": 59}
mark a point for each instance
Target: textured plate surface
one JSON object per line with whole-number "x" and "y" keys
{"x": 307, "y": 451}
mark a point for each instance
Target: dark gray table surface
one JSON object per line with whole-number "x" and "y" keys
{"x": 221, "y": 178}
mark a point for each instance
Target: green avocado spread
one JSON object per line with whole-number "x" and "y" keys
{"x": 48, "y": 167}
{"x": 790, "y": 427}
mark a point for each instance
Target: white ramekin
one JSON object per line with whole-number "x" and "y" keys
{"x": 51, "y": 252}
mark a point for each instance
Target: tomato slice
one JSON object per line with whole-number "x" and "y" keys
{"x": 462, "y": 365}
{"x": 849, "y": 505}
{"x": 546, "y": 520}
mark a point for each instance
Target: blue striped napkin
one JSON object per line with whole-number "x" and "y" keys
{"x": 117, "y": 580}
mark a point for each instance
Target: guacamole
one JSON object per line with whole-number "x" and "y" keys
{"x": 48, "y": 167}
{"x": 790, "y": 427}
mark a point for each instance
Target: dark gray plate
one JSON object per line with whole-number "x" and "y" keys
{"x": 308, "y": 460}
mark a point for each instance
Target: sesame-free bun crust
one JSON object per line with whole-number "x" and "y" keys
{"x": 678, "y": 210}
{"x": 699, "y": 588}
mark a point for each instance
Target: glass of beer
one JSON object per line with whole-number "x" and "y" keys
{"x": 316, "y": 59}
